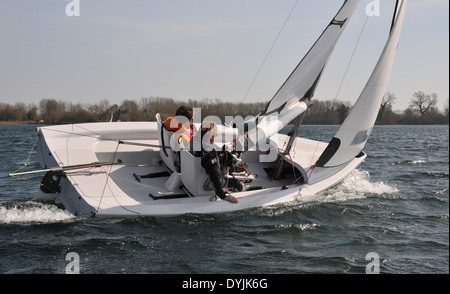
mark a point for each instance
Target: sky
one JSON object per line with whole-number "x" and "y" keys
{"x": 195, "y": 49}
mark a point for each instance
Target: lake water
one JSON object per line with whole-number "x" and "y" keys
{"x": 392, "y": 212}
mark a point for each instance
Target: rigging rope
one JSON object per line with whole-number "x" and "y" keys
{"x": 108, "y": 175}
{"x": 268, "y": 53}
{"x": 26, "y": 164}
{"x": 351, "y": 58}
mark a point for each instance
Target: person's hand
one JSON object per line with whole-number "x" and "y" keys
{"x": 231, "y": 198}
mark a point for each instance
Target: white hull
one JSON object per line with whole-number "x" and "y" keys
{"x": 112, "y": 190}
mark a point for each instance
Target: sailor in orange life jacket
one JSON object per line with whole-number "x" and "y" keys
{"x": 183, "y": 130}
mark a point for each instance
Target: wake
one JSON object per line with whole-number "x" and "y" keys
{"x": 32, "y": 212}
{"x": 357, "y": 185}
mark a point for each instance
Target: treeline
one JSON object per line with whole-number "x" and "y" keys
{"x": 51, "y": 111}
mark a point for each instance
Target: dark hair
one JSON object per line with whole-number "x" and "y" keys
{"x": 186, "y": 111}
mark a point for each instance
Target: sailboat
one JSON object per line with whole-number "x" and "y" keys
{"x": 117, "y": 169}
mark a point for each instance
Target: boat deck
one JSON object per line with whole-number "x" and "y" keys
{"x": 148, "y": 182}
{"x": 143, "y": 183}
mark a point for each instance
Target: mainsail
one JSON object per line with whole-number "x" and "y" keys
{"x": 352, "y": 136}
{"x": 303, "y": 80}
{"x": 292, "y": 99}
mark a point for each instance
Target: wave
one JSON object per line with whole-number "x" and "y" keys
{"x": 419, "y": 161}
{"x": 32, "y": 212}
{"x": 359, "y": 182}
{"x": 301, "y": 227}
{"x": 409, "y": 162}
{"x": 357, "y": 185}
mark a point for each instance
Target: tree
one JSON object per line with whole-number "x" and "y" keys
{"x": 51, "y": 110}
{"x": 388, "y": 100}
{"x": 129, "y": 111}
{"x": 114, "y": 112}
{"x": 6, "y": 112}
{"x": 329, "y": 112}
{"x": 32, "y": 112}
{"x": 409, "y": 117}
{"x": 19, "y": 112}
{"x": 75, "y": 113}
{"x": 446, "y": 110}
{"x": 386, "y": 106}
{"x": 342, "y": 110}
{"x": 422, "y": 102}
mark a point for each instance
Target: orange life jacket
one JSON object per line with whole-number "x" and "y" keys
{"x": 182, "y": 133}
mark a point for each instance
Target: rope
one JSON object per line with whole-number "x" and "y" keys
{"x": 94, "y": 134}
{"x": 311, "y": 169}
{"x": 106, "y": 183}
{"x": 31, "y": 151}
{"x": 270, "y": 50}
{"x": 39, "y": 184}
{"x": 26, "y": 164}
{"x": 107, "y": 175}
{"x": 351, "y": 58}
{"x": 307, "y": 180}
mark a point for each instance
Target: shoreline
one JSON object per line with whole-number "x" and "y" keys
{"x": 20, "y": 123}
{"x": 43, "y": 123}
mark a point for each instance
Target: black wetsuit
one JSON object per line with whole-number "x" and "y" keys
{"x": 214, "y": 162}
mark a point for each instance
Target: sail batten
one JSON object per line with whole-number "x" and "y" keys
{"x": 356, "y": 128}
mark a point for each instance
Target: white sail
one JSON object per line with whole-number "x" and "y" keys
{"x": 302, "y": 82}
{"x": 351, "y": 137}
{"x": 294, "y": 95}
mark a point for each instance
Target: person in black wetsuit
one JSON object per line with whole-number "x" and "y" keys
{"x": 215, "y": 162}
